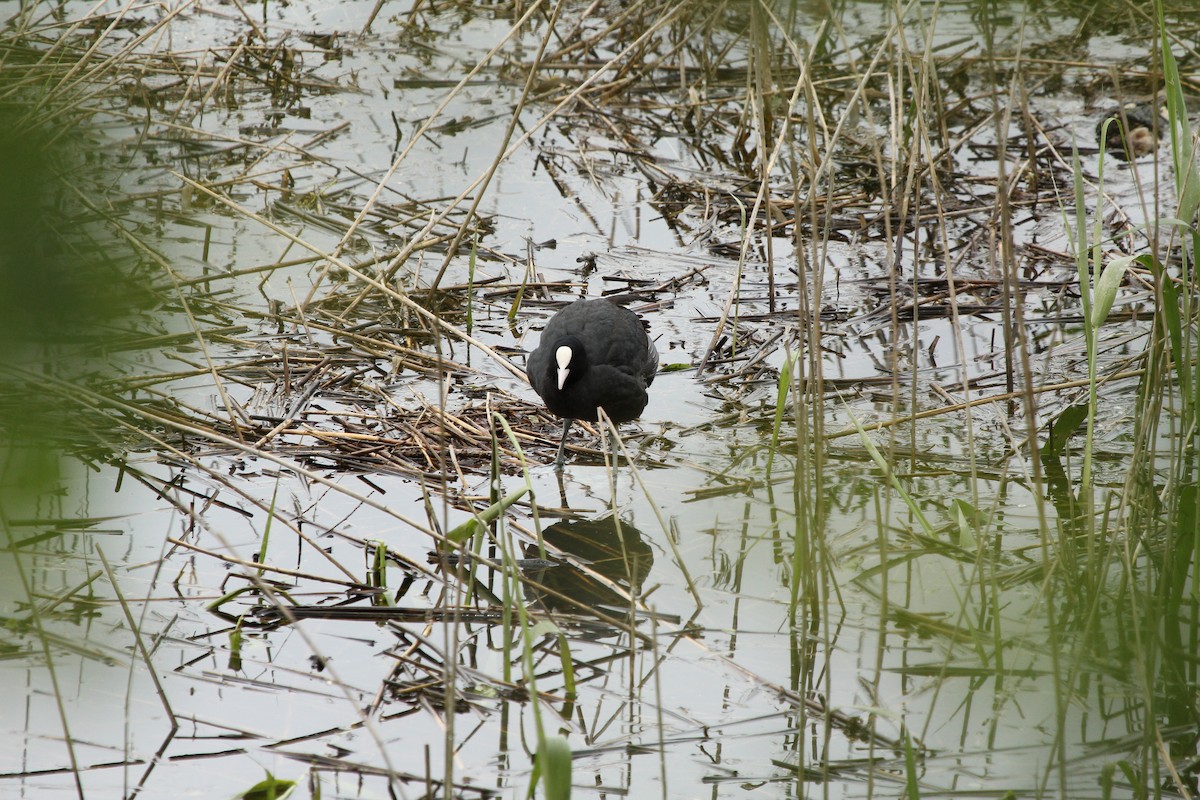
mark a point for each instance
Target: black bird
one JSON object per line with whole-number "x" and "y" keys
{"x": 593, "y": 354}
{"x": 1134, "y": 130}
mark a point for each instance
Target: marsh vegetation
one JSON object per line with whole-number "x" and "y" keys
{"x": 912, "y": 510}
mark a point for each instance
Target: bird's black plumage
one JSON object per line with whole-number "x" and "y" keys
{"x": 593, "y": 354}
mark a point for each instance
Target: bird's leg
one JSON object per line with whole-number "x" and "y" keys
{"x": 562, "y": 446}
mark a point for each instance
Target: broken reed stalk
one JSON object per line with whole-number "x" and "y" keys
{"x": 436, "y": 322}
{"x": 402, "y": 257}
{"x": 485, "y": 180}
{"x": 762, "y": 200}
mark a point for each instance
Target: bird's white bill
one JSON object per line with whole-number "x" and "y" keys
{"x": 563, "y": 356}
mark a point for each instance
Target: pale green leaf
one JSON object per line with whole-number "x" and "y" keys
{"x": 1105, "y": 292}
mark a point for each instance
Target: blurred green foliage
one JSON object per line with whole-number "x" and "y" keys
{"x": 57, "y": 288}
{"x": 40, "y": 294}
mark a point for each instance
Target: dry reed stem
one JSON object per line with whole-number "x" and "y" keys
{"x": 326, "y": 355}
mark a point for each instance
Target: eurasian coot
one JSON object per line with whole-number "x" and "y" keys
{"x": 1134, "y": 130}
{"x": 593, "y": 354}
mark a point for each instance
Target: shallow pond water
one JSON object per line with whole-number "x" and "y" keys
{"x": 283, "y": 433}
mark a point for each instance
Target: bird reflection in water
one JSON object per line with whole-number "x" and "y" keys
{"x": 613, "y": 560}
